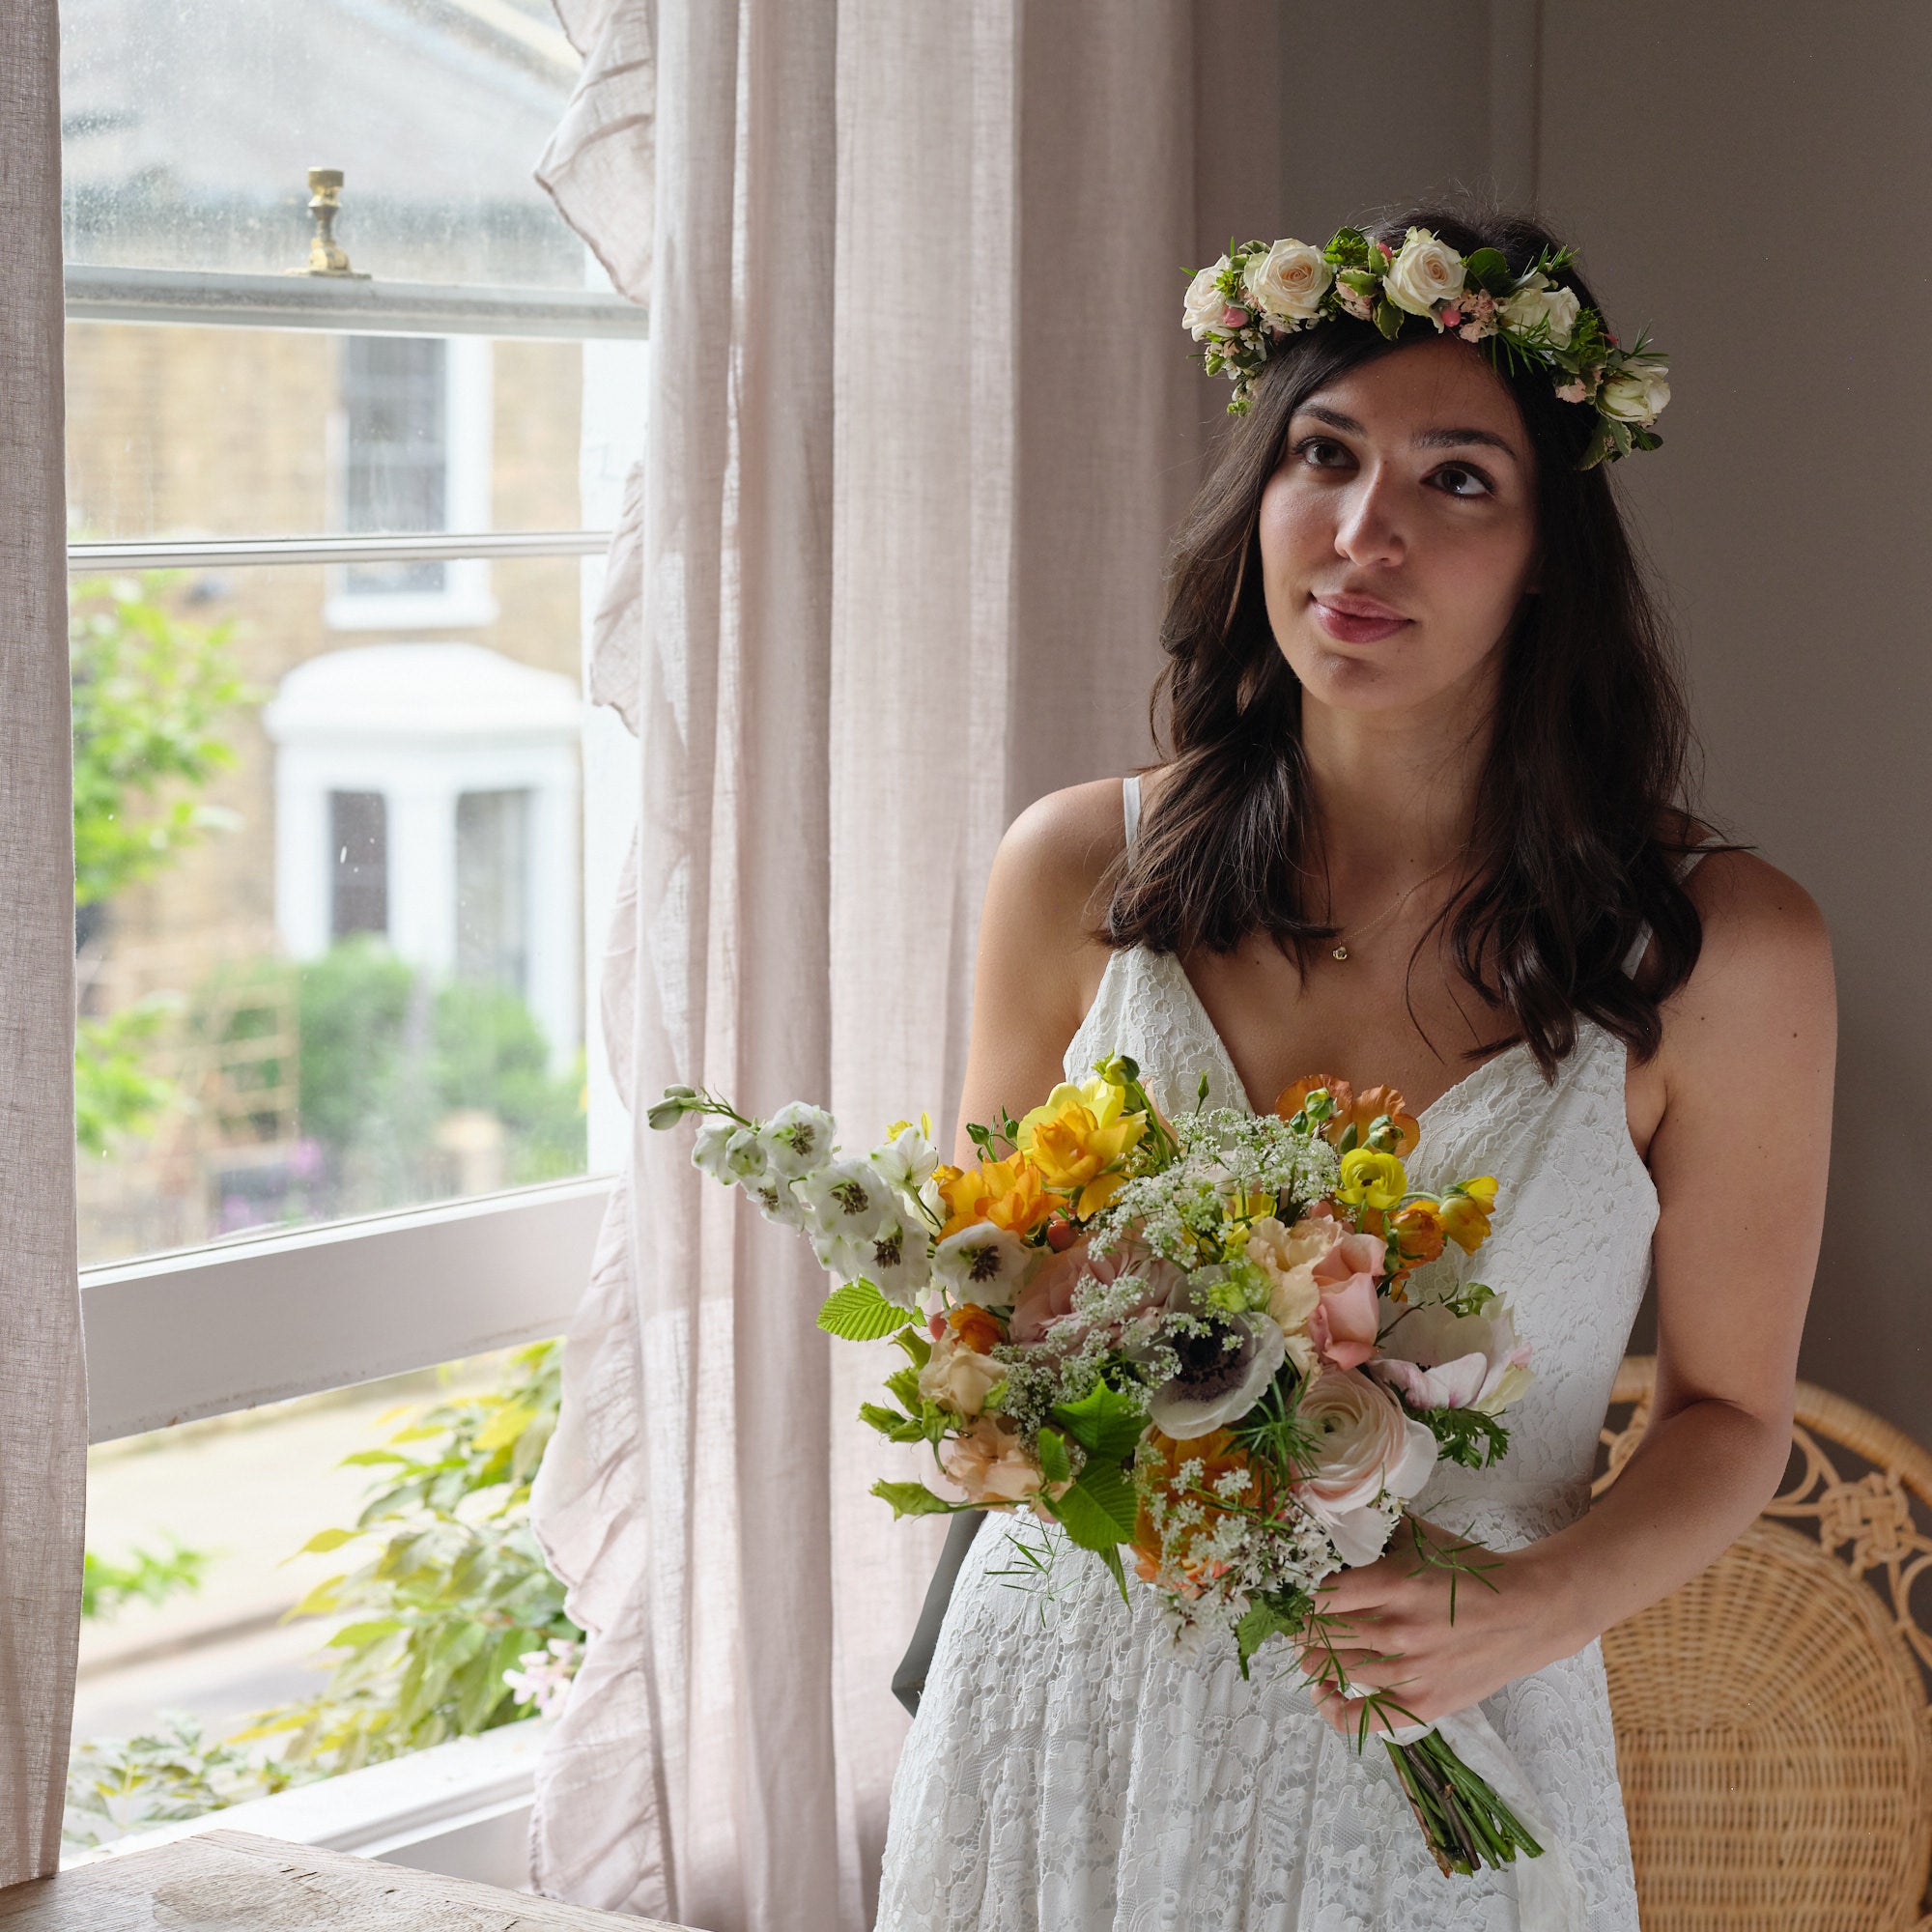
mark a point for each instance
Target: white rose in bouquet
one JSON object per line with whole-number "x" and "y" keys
{"x": 1366, "y": 1446}
{"x": 1425, "y": 273}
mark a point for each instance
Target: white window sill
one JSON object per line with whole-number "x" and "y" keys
{"x": 408, "y": 611}
{"x": 461, "y": 1808}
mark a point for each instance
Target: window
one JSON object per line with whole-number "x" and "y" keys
{"x": 332, "y": 544}
{"x": 413, "y": 431}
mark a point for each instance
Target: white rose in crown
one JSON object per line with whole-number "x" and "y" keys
{"x": 1537, "y": 302}
{"x": 1287, "y": 284}
{"x": 1425, "y": 273}
{"x": 1364, "y": 1445}
{"x": 1439, "y": 1359}
{"x": 1205, "y": 305}
{"x": 1637, "y": 395}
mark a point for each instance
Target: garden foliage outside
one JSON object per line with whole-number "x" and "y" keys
{"x": 448, "y": 1622}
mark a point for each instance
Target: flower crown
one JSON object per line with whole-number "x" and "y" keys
{"x": 1260, "y": 293}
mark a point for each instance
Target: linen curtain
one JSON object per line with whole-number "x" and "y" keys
{"x": 43, "y": 1390}
{"x": 920, "y": 423}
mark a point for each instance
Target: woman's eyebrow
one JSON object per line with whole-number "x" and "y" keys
{"x": 1425, "y": 439}
{"x": 1448, "y": 438}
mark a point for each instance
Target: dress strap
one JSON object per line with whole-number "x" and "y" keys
{"x": 1131, "y": 805}
{"x": 1687, "y": 864}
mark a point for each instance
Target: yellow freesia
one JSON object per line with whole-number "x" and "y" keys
{"x": 1372, "y": 1179}
{"x": 1010, "y": 1193}
{"x": 1076, "y": 1135}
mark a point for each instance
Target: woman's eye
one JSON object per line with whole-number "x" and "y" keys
{"x": 1461, "y": 481}
{"x": 1323, "y": 451}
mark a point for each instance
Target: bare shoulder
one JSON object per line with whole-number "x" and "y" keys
{"x": 1047, "y": 872}
{"x": 1037, "y": 968}
{"x": 1763, "y": 984}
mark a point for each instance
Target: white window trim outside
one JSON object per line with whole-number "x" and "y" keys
{"x": 464, "y": 598}
{"x": 461, "y": 1808}
{"x": 173, "y": 1337}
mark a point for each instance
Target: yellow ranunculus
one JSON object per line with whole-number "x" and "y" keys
{"x": 1076, "y": 1136}
{"x": 1372, "y": 1179}
{"x": 1465, "y": 1213}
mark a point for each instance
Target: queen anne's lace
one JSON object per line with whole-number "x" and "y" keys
{"x": 1069, "y": 1770}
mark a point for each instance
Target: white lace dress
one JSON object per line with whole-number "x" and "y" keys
{"x": 1068, "y": 1772}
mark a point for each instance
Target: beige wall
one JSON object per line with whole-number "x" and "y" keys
{"x": 1739, "y": 176}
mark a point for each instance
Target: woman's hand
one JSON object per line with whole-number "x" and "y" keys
{"x": 1389, "y": 1628}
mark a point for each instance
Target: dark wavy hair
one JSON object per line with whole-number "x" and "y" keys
{"x": 1582, "y": 802}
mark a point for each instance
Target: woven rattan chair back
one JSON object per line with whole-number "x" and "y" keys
{"x": 1773, "y": 1716}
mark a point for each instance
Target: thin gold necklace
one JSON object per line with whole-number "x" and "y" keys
{"x": 1340, "y": 950}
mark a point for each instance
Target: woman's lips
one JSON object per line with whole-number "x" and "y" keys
{"x": 1358, "y": 627}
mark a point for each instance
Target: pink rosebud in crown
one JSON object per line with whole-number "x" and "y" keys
{"x": 1234, "y": 318}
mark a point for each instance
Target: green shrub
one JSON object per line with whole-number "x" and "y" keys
{"x": 451, "y": 1592}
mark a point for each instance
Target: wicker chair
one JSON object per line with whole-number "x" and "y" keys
{"x": 1772, "y": 1720}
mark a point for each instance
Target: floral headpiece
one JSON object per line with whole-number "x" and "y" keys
{"x": 1261, "y": 291}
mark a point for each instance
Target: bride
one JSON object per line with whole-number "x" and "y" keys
{"x": 1423, "y": 821}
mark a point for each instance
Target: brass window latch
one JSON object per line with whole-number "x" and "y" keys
{"x": 326, "y": 254}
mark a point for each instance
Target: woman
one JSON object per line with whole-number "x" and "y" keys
{"x": 1422, "y": 822}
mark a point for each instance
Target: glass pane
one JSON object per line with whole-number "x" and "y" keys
{"x": 190, "y": 128}
{"x": 329, "y": 891}
{"x": 195, "y": 1555}
{"x": 202, "y": 431}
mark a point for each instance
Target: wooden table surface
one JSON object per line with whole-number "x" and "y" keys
{"x": 240, "y": 1882}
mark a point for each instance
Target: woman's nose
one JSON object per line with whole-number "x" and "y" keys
{"x": 1367, "y": 528}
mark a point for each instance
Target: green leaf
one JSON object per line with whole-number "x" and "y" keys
{"x": 859, "y": 1313}
{"x": 1099, "y": 1511}
{"x": 1268, "y": 1616}
{"x": 887, "y": 1421}
{"x": 327, "y": 1539}
{"x": 1104, "y": 1422}
{"x": 1389, "y": 319}
{"x": 917, "y": 1345}
{"x": 914, "y": 1499}
{"x": 1054, "y": 1460}
{"x": 359, "y": 1636}
{"x": 1488, "y": 270}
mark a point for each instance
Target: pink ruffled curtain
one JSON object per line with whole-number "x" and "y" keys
{"x": 42, "y": 1392}
{"x": 920, "y": 423}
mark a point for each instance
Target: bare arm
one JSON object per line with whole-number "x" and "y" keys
{"x": 1028, "y": 977}
{"x": 1739, "y": 1161}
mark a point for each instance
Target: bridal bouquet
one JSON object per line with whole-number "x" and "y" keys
{"x": 1216, "y": 1342}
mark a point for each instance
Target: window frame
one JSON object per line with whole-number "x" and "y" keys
{"x": 238, "y": 1323}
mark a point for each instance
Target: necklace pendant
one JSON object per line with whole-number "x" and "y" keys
{"x": 1339, "y": 953}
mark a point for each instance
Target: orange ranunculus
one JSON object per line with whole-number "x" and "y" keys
{"x": 1074, "y": 1146}
{"x": 1287, "y": 1102}
{"x": 1010, "y": 1193}
{"x": 1157, "y": 1462}
{"x": 1465, "y": 1214}
{"x": 1362, "y": 1111}
{"x": 1419, "y": 1235}
{"x": 976, "y": 1328}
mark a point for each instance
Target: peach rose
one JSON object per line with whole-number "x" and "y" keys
{"x": 991, "y": 1462}
{"x": 957, "y": 1376}
{"x": 1344, "y": 1323}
